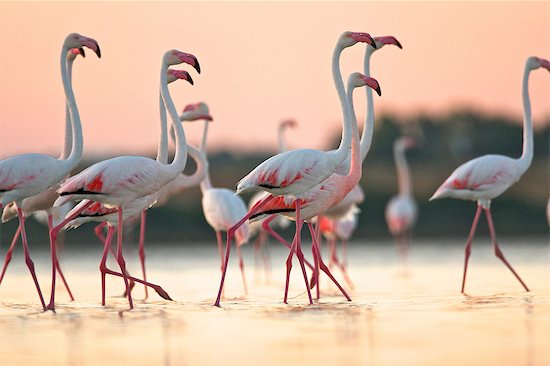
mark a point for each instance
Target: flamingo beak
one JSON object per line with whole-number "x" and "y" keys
{"x": 81, "y": 52}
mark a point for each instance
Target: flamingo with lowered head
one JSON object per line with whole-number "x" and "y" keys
{"x": 487, "y": 177}
{"x": 316, "y": 200}
{"x": 26, "y": 175}
{"x": 119, "y": 181}
{"x": 401, "y": 211}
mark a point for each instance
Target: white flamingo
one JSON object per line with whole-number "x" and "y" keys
{"x": 487, "y": 177}
{"x": 26, "y": 175}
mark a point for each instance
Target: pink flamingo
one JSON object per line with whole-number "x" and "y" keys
{"x": 316, "y": 200}
{"x": 27, "y": 175}
{"x": 119, "y": 181}
{"x": 485, "y": 178}
{"x": 222, "y": 209}
{"x": 98, "y": 212}
{"x": 401, "y": 211}
{"x": 44, "y": 200}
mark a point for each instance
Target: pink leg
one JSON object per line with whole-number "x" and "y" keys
{"x": 315, "y": 278}
{"x": 230, "y": 235}
{"x": 241, "y": 266}
{"x": 299, "y": 253}
{"x": 98, "y": 230}
{"x": 102, "y": 265}
{"x": 332, "y": 252}
{"x": 324, "y": 268}
{"x": 28, "y": 259}
{"x": 468, "y": 248}
{"x": 496, "y": 247}
{"x": 340, "y": 266}
{"x": 57, "y": 266}
{"x": 289, "y": 268}
{"x": 120, "y": 258}
{"x": 220, "y": 248}
{"x": 345, "y": 253}
{"x": 9, "y": 252}
{"x": 142, "y": 247}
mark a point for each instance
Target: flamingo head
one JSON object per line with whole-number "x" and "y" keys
{"x": 348, "y": 39}
{"x": 357, "y": 80}
{"x": 195, "y": 112}
{"x": 174, "y": 75}
{"x": 288, "y": 123}
{"x": 73, "y": 52}
{"x": 175, "y": 57}
{"x": 384, "y": 40}
{"x": 75, "y": 40}
{"x": 536, "y": 62}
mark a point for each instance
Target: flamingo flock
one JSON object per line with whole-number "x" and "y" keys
{"x": 313, "y": 187}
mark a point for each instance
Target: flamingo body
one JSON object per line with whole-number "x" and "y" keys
{"x": 222, "y": 209}
{"x": 401, "y": 213}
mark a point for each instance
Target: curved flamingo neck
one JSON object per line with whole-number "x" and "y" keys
{"x": 178, "y": 164}
{"x": 355, "y": 169}
{"x": 205, "y": 183}
{"x": 368, "y": 127}
{"x": 202, "y": 169}
{"x": 345, "y": 143}
{"x": 162, "y": 152}
{"x": 204, "y": 136}
{"x": 527, "y": 151}
{"x": 403, "y": 171}
{"x": 77, "y": 142}
{"x": 68, "y": 140}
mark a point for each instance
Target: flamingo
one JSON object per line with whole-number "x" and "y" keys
{"x": 222, "y": 209}
{"x": 401, "y": 211}
{"x": 44, "y": 200}
{"x": 315, "y": 200}
{"x": 98, "y": 212}
{"x": 119, "y": 181}
{"x": 26, "y": 175}
{"x": 485, "y": 178}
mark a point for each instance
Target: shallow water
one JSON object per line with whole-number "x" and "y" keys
{"x": 415, "y": 317}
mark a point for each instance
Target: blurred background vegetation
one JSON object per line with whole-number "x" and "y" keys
{"x": 443, "y": 143}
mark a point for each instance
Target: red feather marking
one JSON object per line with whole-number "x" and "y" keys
{"x": 96, "y": 184}
{"x": 326, "y": 225}
{"x": 99, "y": 208}
{"x": 286, "y": 181}
{"x": 459, "y": 184}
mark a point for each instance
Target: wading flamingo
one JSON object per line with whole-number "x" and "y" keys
{"x": 44, "y": 200}
{"x": 120, "y": 181}
{"x": 341, "y": 228}
{"x": 26, "y": 175}
{"x": 401, "y": 210}
{"x": 487, "y": 177}
{"x": 316, "y": 200}
{"x": 222, "y": 209}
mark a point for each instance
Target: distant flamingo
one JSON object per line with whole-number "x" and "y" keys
{"x": 316, "y": 200}
{"x": 341, "y": 228}
{"x": 222, "y": 209}
{"x": 401, "y": 210}
{"x": 98, "y": 212}
{"x": 119, "y": 181}
{"x": 26, "y": 175}
{"x": 488, "y": 176}
{"x": 45, "y": 199}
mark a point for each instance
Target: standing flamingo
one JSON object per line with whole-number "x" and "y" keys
{"x": 316, "y": 200}
{"x": 487, "y": 177}
{"x": 45, "y": 199}
{"x": 401, "y": 210}
{"x": 119, "y": 181}
{"x": 26, "y": 175}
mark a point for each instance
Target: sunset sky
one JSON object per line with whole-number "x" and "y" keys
{"x": 261, "y": 62}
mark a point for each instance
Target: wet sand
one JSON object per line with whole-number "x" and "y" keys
{"x": 394, "y": 319}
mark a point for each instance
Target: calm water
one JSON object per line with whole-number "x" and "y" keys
{"x": 418, "y": 318}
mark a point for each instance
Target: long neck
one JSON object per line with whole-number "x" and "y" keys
{"x": 368, "y": 127}
{"x": 403, "y": 172}
{"x": 77, "y": 142}
{"x": 205, "y": 183}
{"x": 527, "y": 153}
{"x": 162, "y": 152}
{"x": 178, "y": 164}
{"x": 187, "y": 181}
{"x": 281, "y": 139}
{"x": 345, "y": 142}
{"x": 68, "y": 141}
{"x": 354, "y": 173}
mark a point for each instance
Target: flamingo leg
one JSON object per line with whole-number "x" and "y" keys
{"x": 142, "y": 247}
{"x": 289, "y": 268}
{"x": 98, "y": 230}
{"x": 230, "y": 235}
{"x": 468, "y": 248}
{"x": 220, "y": 248}
{"x": 324, "y": 268}
{"x": 241, "y": 266}
{"x": 340, "y": 266}
{"x": 315, "y": 277}
{"x": 497, "y": 250}
{"x": 345, "y": 253}
{"x": 332, "y": 252}
{"x": 299, "y": 253}
{"x": 102, "y": 265}
{"x": 28, "y": 259}
{"x": 57, "y": 266}
{"x": 120, "y": 257}
{"x": 9, "y": 252}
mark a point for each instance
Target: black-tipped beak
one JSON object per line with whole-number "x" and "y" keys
{"x": 398, "y": 44}
{"x": 190, "y": 80}
{"x": 378, "y": 91}
{"x": 372, "y": 42}
{"x": 81, "y": 51}
{"x": 197, "y": 66}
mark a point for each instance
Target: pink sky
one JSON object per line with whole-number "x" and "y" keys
{"x": 261, "y": 62}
